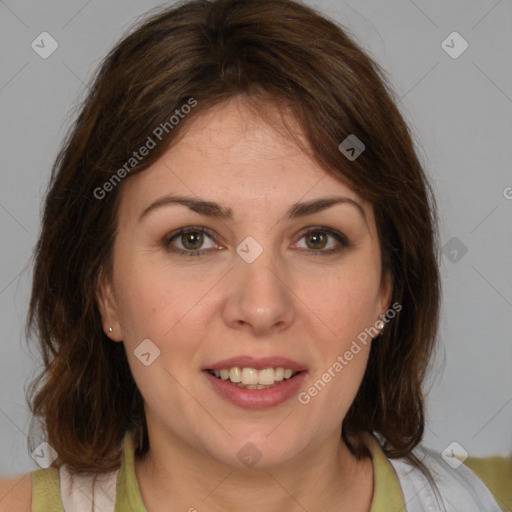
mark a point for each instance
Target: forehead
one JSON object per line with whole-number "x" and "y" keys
{"x": 232, "y": 155}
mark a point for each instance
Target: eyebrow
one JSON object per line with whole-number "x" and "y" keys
{"x": 218, "y": 211}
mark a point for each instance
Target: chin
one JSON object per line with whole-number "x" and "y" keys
{"x": 257, "y": 451}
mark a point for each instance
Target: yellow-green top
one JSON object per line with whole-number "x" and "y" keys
{"x": 495, "y": 472}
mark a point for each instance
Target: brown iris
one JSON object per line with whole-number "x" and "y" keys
{"x": 317, "y": 236}
{"x": 196, "y": 238}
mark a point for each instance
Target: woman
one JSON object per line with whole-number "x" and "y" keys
{"x": 281, "y": 367}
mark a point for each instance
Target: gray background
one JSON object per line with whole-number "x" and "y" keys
{"x": 460, "y": 111}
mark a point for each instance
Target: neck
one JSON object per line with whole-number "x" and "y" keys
{"x": 176, "y": 476}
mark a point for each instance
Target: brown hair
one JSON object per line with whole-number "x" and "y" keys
{"x": 276, "y": 52}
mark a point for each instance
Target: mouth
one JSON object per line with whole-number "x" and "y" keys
{"x": 252, "y": 388}
{"x": 252, "y": 378}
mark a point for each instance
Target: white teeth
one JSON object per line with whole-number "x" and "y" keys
{"x": 235, "y": 375}
{"x": 251, "y": 378}
{"x": 279, "y": 374}
{"x": 266, "y": 376}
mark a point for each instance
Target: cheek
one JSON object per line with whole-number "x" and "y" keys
{"x": 345, "y": 303}
{"x": 166, "y": 308}
{"x": 143, "y": 310}
{"x": 149, "y": 303}
{"x": 152, "y": 309}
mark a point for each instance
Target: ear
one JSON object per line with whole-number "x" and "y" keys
{"x": 107, "y": 306}
{"x": 386, "y": 292}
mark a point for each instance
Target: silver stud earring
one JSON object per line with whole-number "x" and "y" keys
{"x": 110, "y": 329}
{"x": 380, "y": 324}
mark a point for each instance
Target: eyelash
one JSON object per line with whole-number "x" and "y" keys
{"x": 166, "y": 242}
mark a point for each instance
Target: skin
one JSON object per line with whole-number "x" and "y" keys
{"x": 199, "y": 310}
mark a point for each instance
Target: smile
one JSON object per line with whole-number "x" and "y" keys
{"x": 255, "y": 395}
{"x": 251, "y": 378}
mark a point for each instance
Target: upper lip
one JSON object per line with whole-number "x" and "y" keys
{"x": 257, "y": 364}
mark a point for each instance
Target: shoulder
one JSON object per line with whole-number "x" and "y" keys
{"x": 16, "y": 494}
{"x": 496, "y": 473}
{"x": 454, "y": 481}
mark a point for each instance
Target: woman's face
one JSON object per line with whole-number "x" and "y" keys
{"x": 256, "y": 290}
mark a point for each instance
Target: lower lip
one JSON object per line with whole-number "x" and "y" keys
{"x": 257, "y": 398}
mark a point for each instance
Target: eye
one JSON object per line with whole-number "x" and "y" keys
{"x": 317, "y": 239}
{"x": 191, "y": 239}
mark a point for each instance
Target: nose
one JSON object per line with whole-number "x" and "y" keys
{"x": 259, "y": 300}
